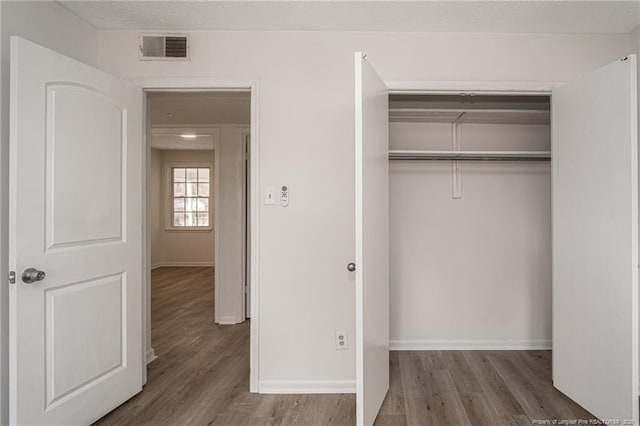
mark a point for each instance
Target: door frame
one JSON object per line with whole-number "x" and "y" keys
{"x": 180, "y": 84}
{"x": 246, "y": 246}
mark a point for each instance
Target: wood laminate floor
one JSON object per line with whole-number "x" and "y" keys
{"x": 201, "y": 377}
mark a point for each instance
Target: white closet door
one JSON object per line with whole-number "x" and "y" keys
{"x": 75, "y": 214}
{"x": 372, "y": 241}
{"x": 595, "y": 241}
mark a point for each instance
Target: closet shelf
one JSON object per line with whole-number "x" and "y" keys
{"x": 470, "y": 155}
{"x": 469, "y": 116}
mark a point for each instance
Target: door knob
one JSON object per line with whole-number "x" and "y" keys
{"x": 351, "y": 267}
{"x": 31, "y": 275}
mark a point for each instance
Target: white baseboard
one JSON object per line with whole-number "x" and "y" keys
{"x": 469, "y": 345}
{"x": 228, "y": 321}
{"x": 151, "y": 356}
{"x": 302, "y": 387}
{"x": 181, "y": 265}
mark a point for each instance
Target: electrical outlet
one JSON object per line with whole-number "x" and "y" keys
{"x": 341, "y": 340}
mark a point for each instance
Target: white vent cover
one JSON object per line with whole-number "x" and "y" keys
{"x": 164, "y": 47}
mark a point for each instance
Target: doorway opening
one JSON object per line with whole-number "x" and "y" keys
{"x": 198, "y": 190}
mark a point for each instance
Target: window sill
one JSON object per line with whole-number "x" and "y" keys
{"x": 189, "y": 229}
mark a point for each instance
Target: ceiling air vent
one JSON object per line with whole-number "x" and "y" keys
{"x": 164, "y": 47}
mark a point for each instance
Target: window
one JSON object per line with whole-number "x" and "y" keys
{"x": 190, "y": 198}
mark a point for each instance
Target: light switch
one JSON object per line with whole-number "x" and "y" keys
{"x": 269, "y": 195}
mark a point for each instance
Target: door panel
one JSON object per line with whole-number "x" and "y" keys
{"x": 372, "y": 241}
{"x": 70, "y": 334}
{"x": 83, "y": 173}
{"x": 75, "y": 213}
{"x": 595, "y": 241}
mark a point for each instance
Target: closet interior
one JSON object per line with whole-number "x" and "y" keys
{"x": 470, "y": 221}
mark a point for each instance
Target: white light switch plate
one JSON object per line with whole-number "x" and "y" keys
{"x": 269, "y": 196}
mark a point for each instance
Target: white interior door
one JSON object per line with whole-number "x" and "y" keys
{"x": 372, "y": 241}
{"x": 75, "y": 213}
{"x": 595, "y": 241}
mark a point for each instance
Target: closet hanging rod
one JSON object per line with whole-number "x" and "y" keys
{"x": 470, "y": 155}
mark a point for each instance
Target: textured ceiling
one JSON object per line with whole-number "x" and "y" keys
{"x": 517, "y": 16}
{"x": 181, "y": 110}
{"x": 167, "y": 108}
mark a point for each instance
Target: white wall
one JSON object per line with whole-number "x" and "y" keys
{"x": 172, "y": 247}
{"x": 306, "y": 137}
{"x": 154, "y": 215}
{"x": 52, "y": 26}
{"x": 230, "y": 259}
{"x": 473, "y": 272}
{"x": 635, "y": 48}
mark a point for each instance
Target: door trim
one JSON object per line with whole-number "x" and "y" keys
{"x": 246, "y": 188}
{"x": 201, "y": 85}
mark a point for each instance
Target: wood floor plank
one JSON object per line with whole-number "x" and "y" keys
{"x": 452, "y": 404}
{"x": 478, "y": 408}
{"x": 324, "y": 409}
{"x": 391, "y": 420}
{"x": 502, "y": 404}
{"x": 550, "y": 403}
{"x": 430, "y": 397}
{"x": 417, "y": 389}
{"x": 201, "y": 377}
{"x": 517, "y": 382}
{"x": 537, "y": 367}
{"x": 394, "y": 401}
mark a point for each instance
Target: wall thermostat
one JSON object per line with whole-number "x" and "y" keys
{"x": 284, "y": 196}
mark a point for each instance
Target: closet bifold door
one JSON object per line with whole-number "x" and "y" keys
{"x": 372, "y": 241}
{"x": 595, "y": 241}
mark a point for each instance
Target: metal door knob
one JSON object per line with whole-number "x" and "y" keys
{"x": 351, "y": 267}
{"x": 31, "y": 275}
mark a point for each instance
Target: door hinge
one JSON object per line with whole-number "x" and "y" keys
{"x": 12, "y": 277}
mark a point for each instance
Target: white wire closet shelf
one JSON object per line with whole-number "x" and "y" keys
{"x": 417, "y": 155}
{"x": 468, "y": 116}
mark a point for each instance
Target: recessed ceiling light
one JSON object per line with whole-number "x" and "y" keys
{"x": 189, "y": 136}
